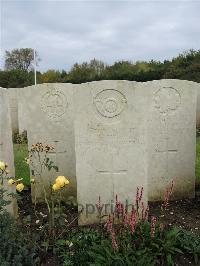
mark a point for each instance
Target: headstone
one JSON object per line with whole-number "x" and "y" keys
{"x": 6, "y": 146}
{"x": 198, "y": 104}
{"x": 110, "y": 143}
{"x": 171, "y": 137}
{"x": 49, "y": 120}
{"x": 13, "y": 106}
{"x": 22, "y": 109}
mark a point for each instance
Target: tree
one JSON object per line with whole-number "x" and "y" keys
{"x": 16, "y": 78}
{"x": 94, "y": 70}
{"x": 20, "y": 59}
{"x": 51, "y": 76}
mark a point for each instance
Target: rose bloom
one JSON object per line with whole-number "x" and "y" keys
{"x": 11, "y": 182}
{"x": 2, "y": 166}
{"x": 62, "y": 181}
{"x": 20, "y": 187}
{"x": 56, "y": 186}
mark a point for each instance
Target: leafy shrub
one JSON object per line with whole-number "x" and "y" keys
{"x": 129, "y": 238}
{"x": 190, "y": 244}
{"x": 15, "y": 247}
{"x": 138, "y": 248}
{"x": 94, "y": 247}
{"x": 75, "y": 250}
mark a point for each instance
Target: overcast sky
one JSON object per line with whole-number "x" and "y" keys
{"x": 65, "y": 32}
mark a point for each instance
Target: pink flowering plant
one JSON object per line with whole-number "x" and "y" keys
{"x": 136, "y": 237}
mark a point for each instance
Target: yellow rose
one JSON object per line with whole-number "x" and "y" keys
{"x": 11, "y": 182}
{"x": 62, "y": 181}
{"x": 2, "y": 166}
{"x": 20, "y": 187}
{"x": 56, "y": 186}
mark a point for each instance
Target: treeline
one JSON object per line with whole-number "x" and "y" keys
{"x": 185, "y": 66}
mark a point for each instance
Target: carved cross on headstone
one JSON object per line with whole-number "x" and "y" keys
{"x": 114, "y": 167}
{"x": 112, "y": 172}
{"x": 56, "y": 151}
{"x": 167, "y": 151}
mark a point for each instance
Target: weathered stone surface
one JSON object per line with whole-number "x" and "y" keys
{"x": 49, "y": 119}
{"x": 6, "y": 146}
{"x": 128, "y": 134}
{"x": 171, "y": 137}
{"x": 13, "y": 106}
{"x": 110, "y": 144}
{"x": 198, "y": 104}
{"x": 23, "y": 102}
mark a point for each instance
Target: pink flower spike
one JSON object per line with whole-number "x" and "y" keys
{"x": 153, "y": 226}
{"x": 146, "y": 214}
{"x": 141, "y": 194}
{"x": 133, "y": 221}
{"x": 143, "y": 212}
{"x": 114, "y": 242}
{"x": 109, "y": 224}
{"x": 137, "y": 195}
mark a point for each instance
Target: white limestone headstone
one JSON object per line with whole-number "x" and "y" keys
{"x": 6, "y": 146}
{"x": 13, "y": 106}
{"x": 49, "y": 119}
{"x": 198, "y": 105}
{"x": 110, "y": 141}
{"x": 171, "y": 137}
{"x": 22, "y": 109}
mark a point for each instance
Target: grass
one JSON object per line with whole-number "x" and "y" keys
{"x": 21, "y": 168}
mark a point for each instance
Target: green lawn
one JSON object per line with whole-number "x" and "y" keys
{"x": 21, "y": 168}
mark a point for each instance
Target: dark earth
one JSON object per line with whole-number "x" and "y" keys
{"x": 183, "y": 213}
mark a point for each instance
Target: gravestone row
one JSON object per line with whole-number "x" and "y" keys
{"x": 112, "y": 136}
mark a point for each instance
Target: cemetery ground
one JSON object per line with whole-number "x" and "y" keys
{"x": 171, "y": 236}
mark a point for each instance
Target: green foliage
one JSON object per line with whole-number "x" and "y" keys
{"x": 16, "y": 78}
{"x": 138, "y": 248}
{"x": 51, "y": 76}
{"x": 90, "y": 247}
{"x": 184, "y": 66}
{"x": 15, "y": 248}
{"x": 94, "y": 70}
{"x": 190, "y": 244}
{"x": 75, "y": 249}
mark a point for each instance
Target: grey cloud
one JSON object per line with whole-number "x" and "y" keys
{"x": 66, "y": 32}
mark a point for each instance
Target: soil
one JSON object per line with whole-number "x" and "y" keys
{"x": 183, "y": 213}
